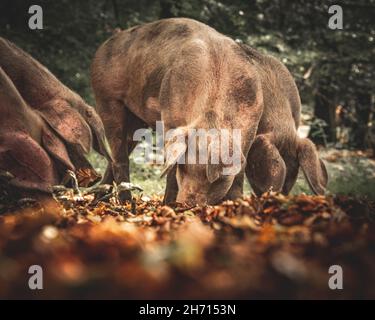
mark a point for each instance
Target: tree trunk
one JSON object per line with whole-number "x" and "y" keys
{"x": 362, "y": 132}
{"x": 324, "y": 108}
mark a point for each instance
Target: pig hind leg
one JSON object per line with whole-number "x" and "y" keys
{"x": 132, "y": 124}
{"x": 265, "y": 168}
{"x": 171, "y": 188}
{"x": 236, "y": 190}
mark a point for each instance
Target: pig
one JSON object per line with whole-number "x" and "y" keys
{"x": 277, "y": 152}
{"x": 31, "y": 154}
{"x": 66, "y": 112}
{"x": 188, "y": 75}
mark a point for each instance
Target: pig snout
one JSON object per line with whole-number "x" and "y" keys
{"x": 192, "y": 198}
{"x": 201, "y": 199}
{"x": 212, "y": 195}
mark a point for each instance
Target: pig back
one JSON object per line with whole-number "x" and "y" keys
{"x": 15, "y": 114}
{"x": 179, "y": 66}
{"x": 282, "y": 104}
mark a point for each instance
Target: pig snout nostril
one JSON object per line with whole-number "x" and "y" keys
{"x": 196, "y": 199}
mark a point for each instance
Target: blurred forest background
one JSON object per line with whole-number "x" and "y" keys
{"x": 334, "y": 69}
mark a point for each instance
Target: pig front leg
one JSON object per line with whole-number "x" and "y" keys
{"x": 265, "y": 168}
{"x": 113, "y": 114}
{"x": 171, "y": 188}
{"x": 236, "y": 190}
{"x": 108, "y": 175}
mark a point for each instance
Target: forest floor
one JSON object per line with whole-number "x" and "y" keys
{"x": 270, "y": 247}
{"x": 351, "y": 172}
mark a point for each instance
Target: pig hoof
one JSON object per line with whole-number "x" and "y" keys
{"x": 127, "y": 186}
{"x": 58, "y": 189}
{"x": 71, "y": 178}
{"x": 124, "y": 195}
{"x": 122, "y": 191}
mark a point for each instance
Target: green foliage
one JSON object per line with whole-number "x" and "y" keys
{"x": 348, "y": 175}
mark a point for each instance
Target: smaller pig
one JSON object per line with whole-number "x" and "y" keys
{"x": 65, "y": 111}
{"x": 31, "y": 154}
{"x": 277, "y": 153}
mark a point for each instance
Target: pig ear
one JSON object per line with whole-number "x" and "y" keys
{"x": 173, "y": 151}
{"x": 313, "y": 168}
{"x": 175, "y": 148}
{"x": 68, "y": 123}
{"x": 100, "y": 144}
{"x": 215, "y": 171}
{"x": 56, "y": 148}
{"x": 265, "y": 168}
{"x": 28, "y": 162}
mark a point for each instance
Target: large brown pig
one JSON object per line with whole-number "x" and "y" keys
{"x": 277, "y": 152}
{"x": 29, "y": 149}
{"x": 188, "y": 75}
{"x": 64, "y": 110}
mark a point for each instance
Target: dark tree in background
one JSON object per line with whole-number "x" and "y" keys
{"x": 334, "y": 69}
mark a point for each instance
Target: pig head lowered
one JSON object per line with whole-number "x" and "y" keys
{"x": 189, "y": 76}
{"x": 29, "y": 150}
{"x": 277, "y": 152}
{"x": 76, "y": 123}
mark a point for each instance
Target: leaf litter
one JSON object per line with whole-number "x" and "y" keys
{"x": 275, "y": 246}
